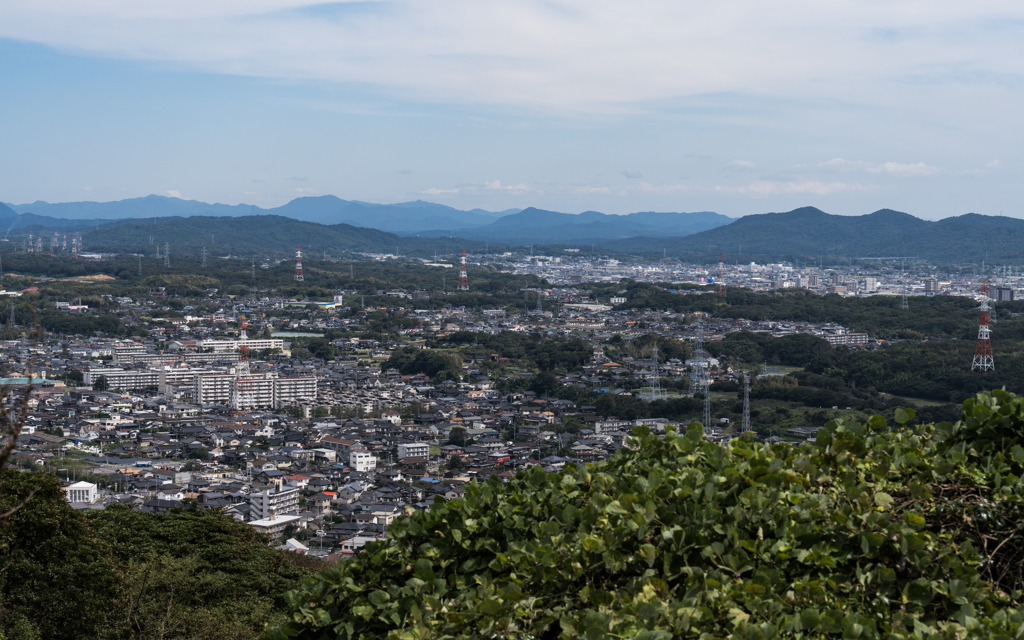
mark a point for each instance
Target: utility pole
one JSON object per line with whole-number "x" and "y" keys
{"x": 204, "y": 257}
{"x": 746, "y": 402}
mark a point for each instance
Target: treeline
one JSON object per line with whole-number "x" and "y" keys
{"x": 879, "y": 316}
{"x": 933, "y": 371}
{"x": 120, "y": 573}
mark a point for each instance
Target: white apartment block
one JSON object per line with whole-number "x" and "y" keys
{"x": 269, "y": 504}
{"x": 264, "y": 390}
{"x": 234, "y": 345}
{"x": 362, "y": 460}
{"x": 413, "y": 450}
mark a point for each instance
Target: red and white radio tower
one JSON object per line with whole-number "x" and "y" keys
{"x": 298, "y": 264}
{"x": 463, "y": 278}
{"x": 720, "y": 289}
{"x": 31, "y": 243}
{"x": 74, "y": 246}
{"x": 983, "y": 351}
{"x": 56, "y": 242}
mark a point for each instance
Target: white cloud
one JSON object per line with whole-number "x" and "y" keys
{"x": 592, "y": 190}
{"x": 495, "y": 185}
{"x": 918, "y": 169}
{"x": 994, "y": 164}
{"x": 438, "y": 192}
{"x": 302, "y": 191}
{"x": 632, "y": 175}
{"x": 591, "y": 55}
{"x": 839, "y": 164}
{"x": 905, "y": 170}
{"x": 663, "y": 188}
{"x": 764, "y": 188}
{"x": 173, "y": 193}
{"x": 743, "y": 165}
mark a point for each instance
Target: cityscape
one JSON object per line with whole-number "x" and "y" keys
{"x": 534, "y": 320}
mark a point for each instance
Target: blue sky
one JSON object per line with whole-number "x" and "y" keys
{"x": 741, "y": 108}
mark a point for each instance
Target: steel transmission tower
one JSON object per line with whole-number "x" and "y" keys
{"x": 654, "y": 392}
{"x": 167, "y": 254}
{"x": 700, "y": 381}
{"x": 242, "y": 397}
{"x": 903, "y": 298}
{"x": 140, "y": 265}
{"x": 720, "y": 289}
{"x": 540, "y": 307}
{"x": 983, "y": 360}
{"x": 746, "y": 402}
{"x": 204, "y": 256}
{"x": 298, "y": 264}
{"x": 463, "y": 278}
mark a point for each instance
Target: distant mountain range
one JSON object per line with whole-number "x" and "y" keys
{"x": 406, "y": 218}
{"x": 327, "y": 223}
{"x": 517, "y": 226}
{"x": 537, "y": 226}
{"x": 811, "y": 232}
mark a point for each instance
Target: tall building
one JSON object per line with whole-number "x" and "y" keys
{"x": 266, "y": 504}
{"x": 870, "y": 284}
{"x": 931, "y": 286}
{"x": 1002, "y": 294}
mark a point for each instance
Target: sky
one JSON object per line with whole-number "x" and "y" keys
{"x": 738, "y": 107}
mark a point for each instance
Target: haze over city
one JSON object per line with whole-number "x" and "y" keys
{"x": 617, "y": 107}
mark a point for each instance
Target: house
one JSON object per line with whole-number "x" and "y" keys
{"x": 84, "y": 492}
{"x": 170, "y": 492}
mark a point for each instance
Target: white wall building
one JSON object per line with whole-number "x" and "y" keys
{"x": 82, "y": 492}
{"x": 362, "y": 460}
{"x": 413, "y": 450}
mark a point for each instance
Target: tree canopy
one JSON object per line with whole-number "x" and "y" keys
{"x": 867, "y": 531}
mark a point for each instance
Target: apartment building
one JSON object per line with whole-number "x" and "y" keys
{"x": 269, "y": 504}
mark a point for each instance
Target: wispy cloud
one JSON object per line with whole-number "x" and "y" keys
{"x": 302, "y": 191}
{"x": 765, "y": 188}
{"x": 587, "y": 189}
{"x": 740, "y": 165}
{"x": 575, "y": 54}
{"x": 173, "y": 193}
{"x": 905, "y": 170}
{"x": 299, "y": 178}
{"x": 633, "y": 175}
{"x": 438, "y": 192}
{"x": 495, "y": 185}
{"x": 899, "y": 169}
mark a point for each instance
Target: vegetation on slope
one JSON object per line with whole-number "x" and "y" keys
{"x": 909, "y": 532}
{"x": 119, "y": 573}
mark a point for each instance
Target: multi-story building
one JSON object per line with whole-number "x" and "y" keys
{"x": 362, "y": 460}
{"x": 931, "y": 286}
{"x": 1002, "y": 294}
{"x": 293, "y": 390}
{"x": 234, "y": 345}
{"x": 413, "y": 450}
{"x": 267, "y": 504}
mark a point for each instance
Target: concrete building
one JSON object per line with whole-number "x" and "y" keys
{"x": 268, "y": 504}
{"x": 275, "y": 526}
{"x": 413, "y": 450}
{"x": 233, "y": 345}
{"x": 870, "y": 285}
{"x": 362, "y": 460}
{"x": 931, "y": 286}
{"x": 1002, "y": 294}
{"x": 82, "y": 492}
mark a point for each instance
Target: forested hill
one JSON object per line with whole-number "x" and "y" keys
{"x": 812, "y": 232}
{"x": 248, "y": 235}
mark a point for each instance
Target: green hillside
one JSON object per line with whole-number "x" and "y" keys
{"x": 812, "y": 232}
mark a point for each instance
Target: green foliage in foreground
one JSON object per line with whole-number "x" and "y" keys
{"x": 120, "y": 573}
{"x": 911, "y": 532}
